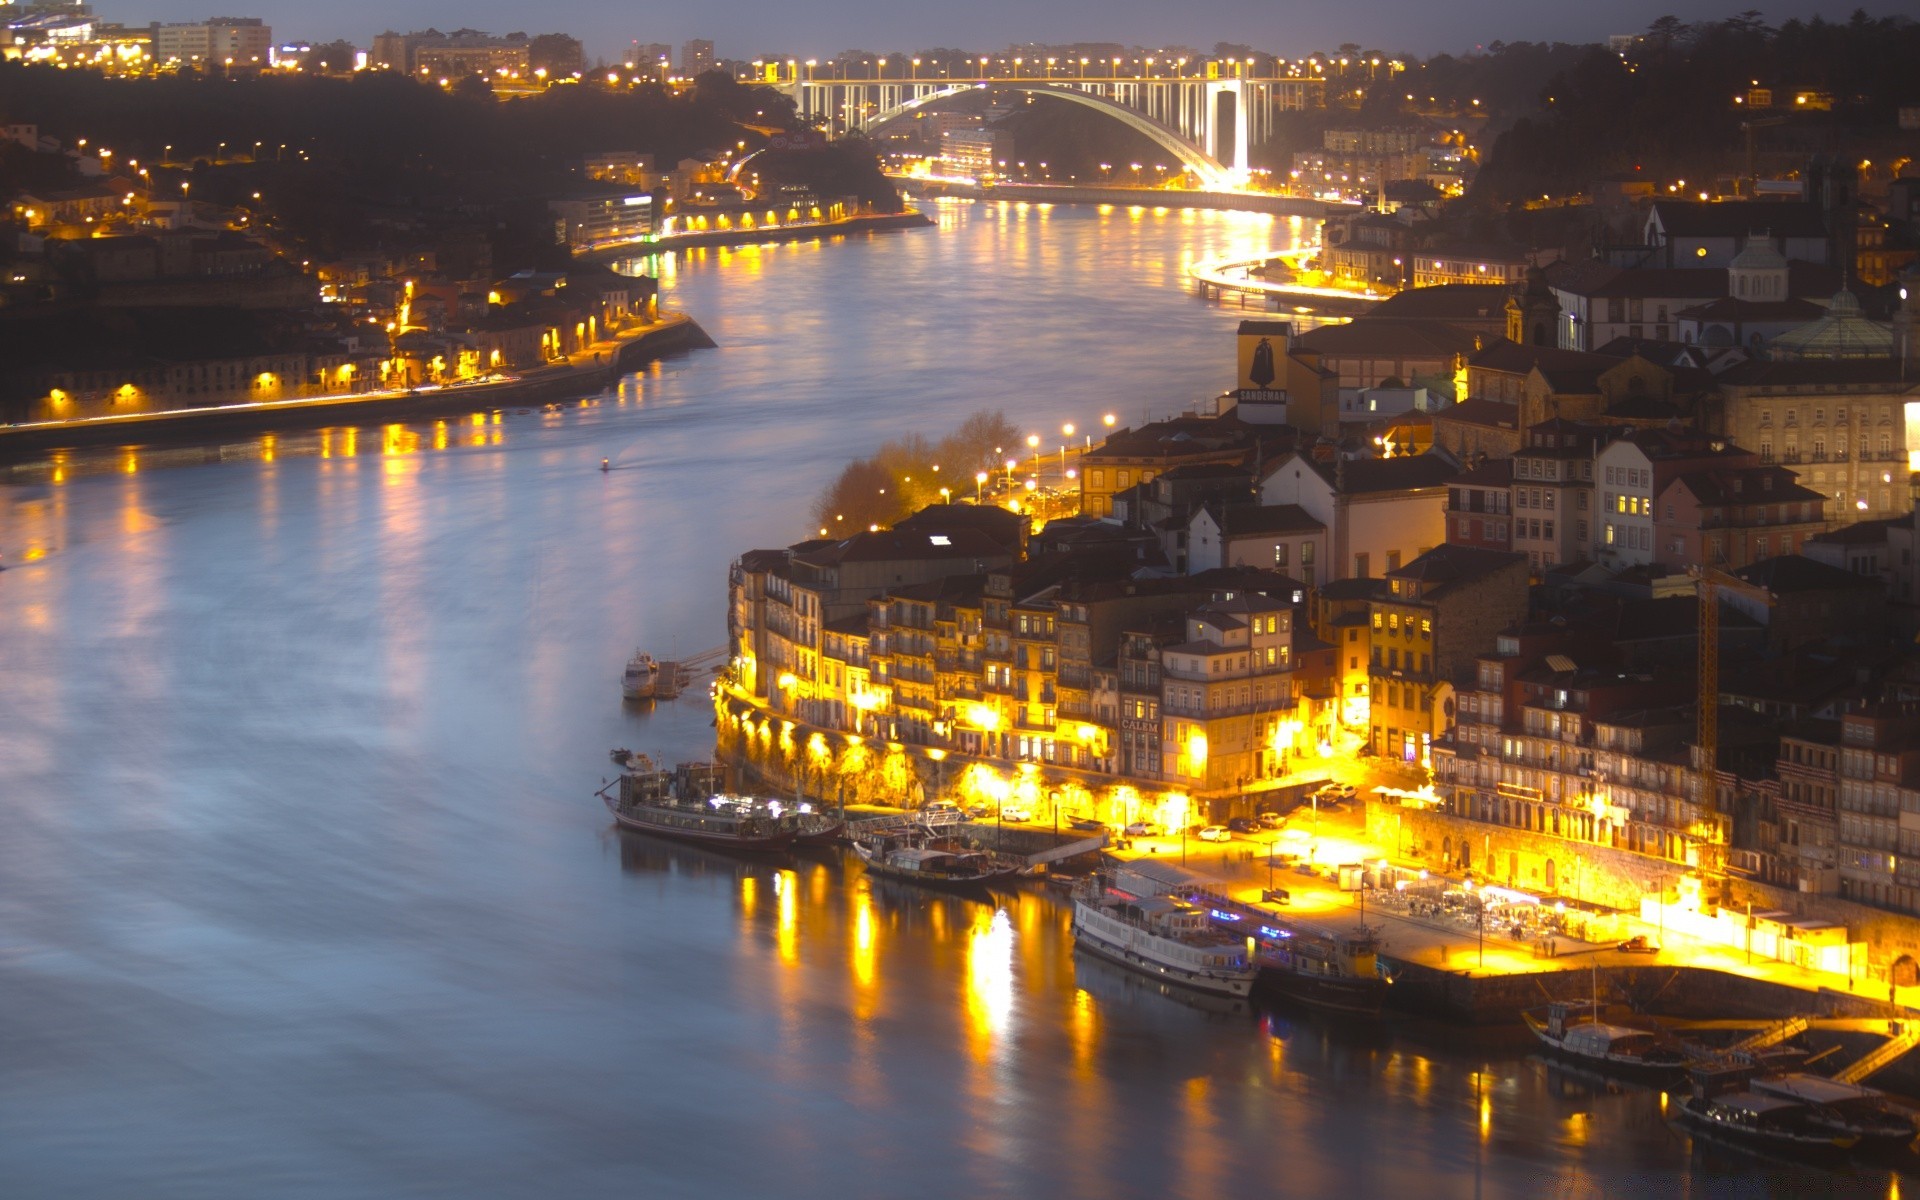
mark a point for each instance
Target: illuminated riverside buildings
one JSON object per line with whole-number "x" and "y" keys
{"x": 937, "y": 635}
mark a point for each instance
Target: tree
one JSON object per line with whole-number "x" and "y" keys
{"x": 473, "y": 87}
{"x": 556, "y": 53}
{"x": 335, "y": 58}
{"x": 862, "y": 495}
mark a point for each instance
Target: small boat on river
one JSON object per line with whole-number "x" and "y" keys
{"x": 1573, "y": 1030}
{"x": 919, "y": 854}
{"x": 1161, "y": 936}
{"x": 1726, "y": 1108}
{"x": 641, "y": 679}
{"x": 1845, "y": 1109}
{"x": 681, "y": 804}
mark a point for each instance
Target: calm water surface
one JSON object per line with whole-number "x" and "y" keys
{"x": 304, "y": 891}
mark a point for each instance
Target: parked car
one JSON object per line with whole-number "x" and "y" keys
{"x": 1638, "y": 944}
{"x": 941, "y": 807}
{"x": 1243, "y": 825}
{"x": 1010, "y": 812}
{"x": 1214, "y": 833}
{"x": 976, "y": 811}
{"x": 1143, "y": 829}
{"x": 1271, "y": 820}
{"x": 1335, "y": 792}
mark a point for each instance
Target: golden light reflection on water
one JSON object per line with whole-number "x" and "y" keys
{"x": 989, "y": 981}
{"x": 1083, "y": 1028}
{"x": 749, "y": 897}
{"x": 786, "y": 890}
{"x": 862, "y": 957}
{"x": 1201, "y": 1151}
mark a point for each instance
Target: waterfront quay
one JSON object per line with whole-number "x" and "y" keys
{"x": 1326, "y": 868}
{"x": 589, "y": 369}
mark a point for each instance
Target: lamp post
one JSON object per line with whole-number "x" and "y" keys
{"x": 1010, "y": 472}
{"x": 979, "y": 482}
{"x": 1033, "y": 444}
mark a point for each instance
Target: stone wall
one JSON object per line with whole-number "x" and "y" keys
{"x": 1616, "y": 878}
{"x": 1520, "y": 858}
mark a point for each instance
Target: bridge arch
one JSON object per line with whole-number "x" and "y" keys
{"x": 1210, "y": 171}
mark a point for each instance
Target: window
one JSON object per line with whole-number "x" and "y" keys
{"x": 1306, "y": 555}
{"x": 1549, "y": 529}
{"x": 1361, "y": 568}
{"x": 1547, "y": 495}
{"x": 1097, "y": 478}
{"x": 1279, "y": 554}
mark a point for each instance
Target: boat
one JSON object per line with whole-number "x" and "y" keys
{"x": 641, "y": 680}
{"x": 1842, "y": 1108}
{"x": 1573, "y": 1030}
{"x": 1338, "y": 972}
{"x": 670, "y": 679}
{"x": 1768, "y": 1124}
{"x": 941, "y": 863}
{"x": 1160, "y": 936}
{"x": 647, "y": 801}
{"x": 1725, "y": 1107}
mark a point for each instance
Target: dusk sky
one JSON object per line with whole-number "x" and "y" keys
{"x": 751, "y": 28}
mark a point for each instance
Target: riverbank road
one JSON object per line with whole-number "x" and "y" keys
{"x": 1299, "y": 859}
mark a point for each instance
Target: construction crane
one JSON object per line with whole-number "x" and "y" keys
{"x": 1708, "y": 582}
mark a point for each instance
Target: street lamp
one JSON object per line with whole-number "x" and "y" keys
{"x": 1033, "y": 444}
{"x": 1109, "y": 420}
{"x": 979, "y": 482}
{"x": 1010, "y": 472}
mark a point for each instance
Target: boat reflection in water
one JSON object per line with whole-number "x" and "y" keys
{"x": 1111, "y": 984}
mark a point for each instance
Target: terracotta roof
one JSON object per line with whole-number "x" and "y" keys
{"x": 1449, "y": 564}
{"x": 1495, "y": 472}
{"x": 1515, "y": 359}
{"x": 1366, "y": 475}
{"x": 1726, "y": 308}
{"x": 1380, "y": 337}
{"x": 906, "y": 544}
{"x": 1758, "y": 373}
{"x": 1791, "y": 573}
{"x": 1739, "y": 218}
{"x": 1862, "y": 533}
{"x": 1477, "y": 411}
{"x": 1444, "y": 302}
{"x": 1745, "y": 485}
{"x": 1246, "y": 520}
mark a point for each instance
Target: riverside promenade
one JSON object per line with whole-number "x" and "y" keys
{"x": 1468, "y": 974}
{"x": 582, "y": 373}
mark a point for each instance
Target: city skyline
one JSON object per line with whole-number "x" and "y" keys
{"x": 748, "y": 31}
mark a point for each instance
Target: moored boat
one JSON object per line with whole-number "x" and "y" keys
{"x": 1766, "y": 1124}
{"x": 932, "y": 866}
{"x": 641, "y": 679}
{"x": 1339, "y": 972}
{"x": 648, "y": 801}
{"x": 1161, "y": 936}
{"x": 1573, "y": 1030}
{"x": 1846, "y": 1109}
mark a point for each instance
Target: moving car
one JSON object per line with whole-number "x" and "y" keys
{"x": 1143, "y": 829}
{"x": 1243, "y": 825}
{"x": 1011, "y": 812}
{"x": 1214, "y": 833}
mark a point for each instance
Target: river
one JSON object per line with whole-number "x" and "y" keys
{"x": 304, "y": 891}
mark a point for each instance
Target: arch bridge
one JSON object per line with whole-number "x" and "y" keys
{"x": 1206, "y": 123}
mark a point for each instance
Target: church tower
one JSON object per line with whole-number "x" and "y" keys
{"x": 1533, "y": 314}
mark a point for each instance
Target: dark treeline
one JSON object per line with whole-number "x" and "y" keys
{"x": 333, "y": 147}
{"x": 1667, "y": 109}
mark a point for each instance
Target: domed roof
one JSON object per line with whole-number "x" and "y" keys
{"x": 1759, "y": 256}
{"x": 1842, "y": 332}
